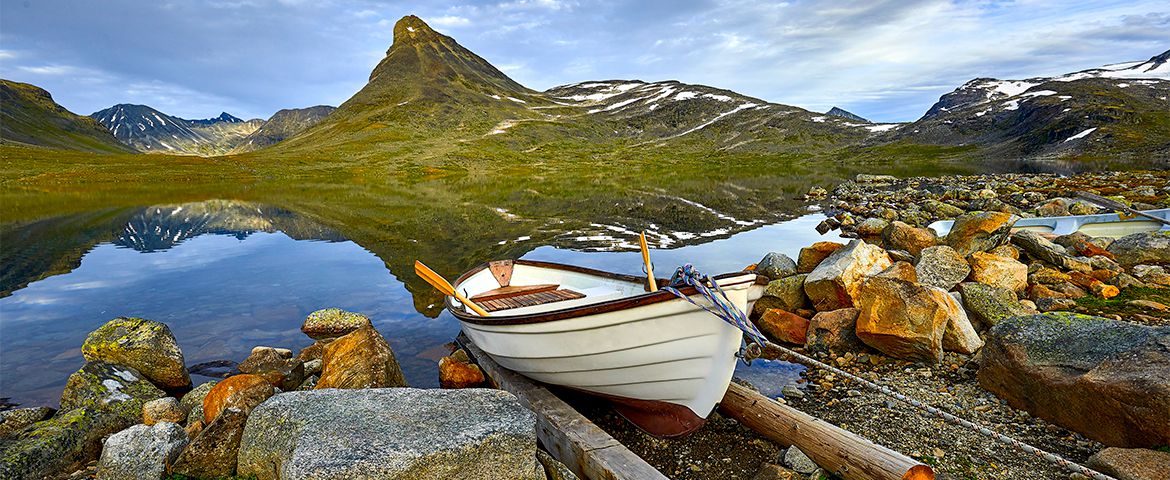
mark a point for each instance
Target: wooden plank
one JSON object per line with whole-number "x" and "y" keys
{"x": 840, "y": 451}
{"x": 515, "y": 290}
{"x": 570, "y": 437}
{"x": 528, "y": 299}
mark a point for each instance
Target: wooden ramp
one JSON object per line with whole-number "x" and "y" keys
{"x": 570, "y": 437}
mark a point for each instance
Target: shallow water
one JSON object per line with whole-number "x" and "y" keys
{"x": 226, "y": 283}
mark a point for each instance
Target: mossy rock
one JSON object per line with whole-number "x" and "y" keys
{"x": 145, "y": 345}
{"x": 60, "y": 444}
{"x": 109, "y": 388}
{"x": 333, "y": 322}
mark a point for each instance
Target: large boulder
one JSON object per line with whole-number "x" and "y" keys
{"x": 1145, "y": 247}
{"x": 835, "y": 283}
{"x": 470, "y": 433}
{"x": 960, "y": 335}
{"x": 786, "y": 293}
{"x": 62, "y": 444}
{"x": 988, "y": 305}
{"x": 192, "y": 402}
{"x": 980, "y": 231}
{"x": 333, "y": 322}
{"x": 141, "y": 452}
{"x": 145, "y": 345}
{"x": 776, "y": 265}
{"x": 812, "y": 255}
{"x": 110, "y": 389}
{"x": 13, "y": 421}
{"x": 834, "y": 331}
{"x": 213, "y": 453}
{"x": 999, "y": 272}
{"x": 941, "y": 266}
{"x": 240, "y": 392}
{"x": 903, "y": 236}
{"x": 1132, "y": 463}
{"x": 783, "y": 326}
{"x": 1040, "y": 248}
{"x": 361, "y": 359}
{"x": 1108, "y": 380}
{"x": 903, "y": 319}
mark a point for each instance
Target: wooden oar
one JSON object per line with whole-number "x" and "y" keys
{"x": 441, "y": 284}
{"x": 1119, "y": 207}
{"x": 646, "y": 260}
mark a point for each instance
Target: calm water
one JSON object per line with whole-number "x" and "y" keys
{"x": 225, "y": 282}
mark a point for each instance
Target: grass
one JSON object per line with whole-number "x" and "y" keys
{"x": 1120, "y": 304}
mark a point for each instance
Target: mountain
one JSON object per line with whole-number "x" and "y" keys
{"x": 151, "y": 131}
{"x": 1118, "y": 111}
{"x": 28, "y": 115}
{"x": 840, "y": 112}
{"x": 283, "y": 124}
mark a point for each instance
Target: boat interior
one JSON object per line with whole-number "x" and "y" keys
{"x": 517, "y": 288}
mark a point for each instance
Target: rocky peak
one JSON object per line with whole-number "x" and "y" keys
{"x": 411, "y": 29}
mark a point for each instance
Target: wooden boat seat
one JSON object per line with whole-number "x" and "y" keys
{"x": 504, "y": 298}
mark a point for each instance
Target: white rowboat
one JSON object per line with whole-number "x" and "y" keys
{"x": 1099, "y": 225}
{"x": 664, "y": 362}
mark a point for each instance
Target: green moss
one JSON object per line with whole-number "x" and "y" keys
{"x": 1119, "y": 305}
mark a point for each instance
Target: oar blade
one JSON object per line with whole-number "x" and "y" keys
{"x": 433, "y": 278}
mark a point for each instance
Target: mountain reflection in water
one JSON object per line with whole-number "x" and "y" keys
{"x": 227, "y": 276}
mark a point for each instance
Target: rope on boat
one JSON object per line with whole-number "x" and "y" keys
{"x": 687, "y": 275}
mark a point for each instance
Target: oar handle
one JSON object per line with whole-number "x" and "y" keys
{"x": 653, "y": 284}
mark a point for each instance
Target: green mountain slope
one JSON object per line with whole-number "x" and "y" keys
{"x": 28, "y": 115}
{"x": 283, "y": 124}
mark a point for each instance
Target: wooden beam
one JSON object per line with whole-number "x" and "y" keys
{"x": 839, "y": 451}
{"x": 570, "y": 437}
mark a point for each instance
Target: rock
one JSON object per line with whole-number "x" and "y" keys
{"x": 554, "y": 469}
{"x": 1006, "y": 251}
{"x": 241, "y": 392}
{"x": 776, "y": 266}
{"x": 771, "y": 471}
{"x": 872, "y": 227}
{"x": 980, "y": 231}
{"x": 1108, "y": 380}
{"x": 1057, "y": 207}
{"x": 812, "y": 255}
{"x": 213, "y": 453}
{"x": 361, "y": 359}
{"x": 941, "y": 266}
{"x": 1097, "y": 287}
{"x": 1148, "y": 304}
{"x": 333, "y": 322}
{"x": 782, "y": 326}
{"x": 871, "y": 178}
{"x": 787, "y": 293}
{"x": 13, "y": 421}
{"x": 280, "y": 352}
{"x": 1048, "y": 276}
{"x": 1152, "y": 275}
{"x": 1038, "y": 291}
{"x": 798, "y": 461}
{"x": 1124, "y": 280}
{"x": 313, "y": 367}
{"x": 999, "y": 272}
{"x": 60, "y": 444}
{"x": 941, "y": 210}
{"x": 455, "y": 371}
{"x": 1080, "y": 244}
{"x": 1038, "y": 247}
{"x": 192, "y": 402}
{"x": 834, "y": 284}
{"x": 904, "y": 320}
{"x": 141, "y": 452}
{"x": 1052, "y": 304}
{"x": 988, "y": 305}
{"x": 141, "y": 344}
{"x": 834, "y": 331}
{"x": 900, "y": 256}
{"x": 109, "y": 389}
{"x": 960, "y": 336}
{"x": 1069, "y": 290}
{"x": 468, "y": 433}
{"x": 1132, "y": 463}
{"x": 903, "y": 236}
{"x": 314, "y": 351}
{"x": 282, "y": 372}
{"x": 900, "y": 270}
{"x": 166, "y": 409}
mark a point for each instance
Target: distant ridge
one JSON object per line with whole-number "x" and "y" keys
{"x": 151, "y": 131}
{"x": 282, "y": 125}
{"x": 840, "y": 112}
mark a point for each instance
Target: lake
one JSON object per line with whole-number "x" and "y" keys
{"x": 230, "y": 275}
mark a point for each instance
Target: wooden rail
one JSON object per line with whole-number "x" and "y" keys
{"x": 847, "y": 455}
{"x": 570, "y": 437}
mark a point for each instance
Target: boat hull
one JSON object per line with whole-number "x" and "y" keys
{"x": 665, "y": 363}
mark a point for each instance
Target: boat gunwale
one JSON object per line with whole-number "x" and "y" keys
{"x": 647, "y": 298}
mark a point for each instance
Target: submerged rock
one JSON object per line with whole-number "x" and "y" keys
{"x": 144, "y": 345}
{"x": 141, "y": 452}
{"x": 1106, "y": 379}
{"x": 835, "y": 283}
{"x": 469, "y": 433}
{"x": 333, "y": 322}
{"x": 361, "y": 359}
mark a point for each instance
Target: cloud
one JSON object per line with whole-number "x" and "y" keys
{"x": 448, "y": 21}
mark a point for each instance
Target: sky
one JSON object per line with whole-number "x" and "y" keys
{"x": 884, "y": 60}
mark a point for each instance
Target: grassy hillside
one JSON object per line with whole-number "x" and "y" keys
{"x": 29, "y": 116}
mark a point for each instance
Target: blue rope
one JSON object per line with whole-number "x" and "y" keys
{"x": 721, "y": 306}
